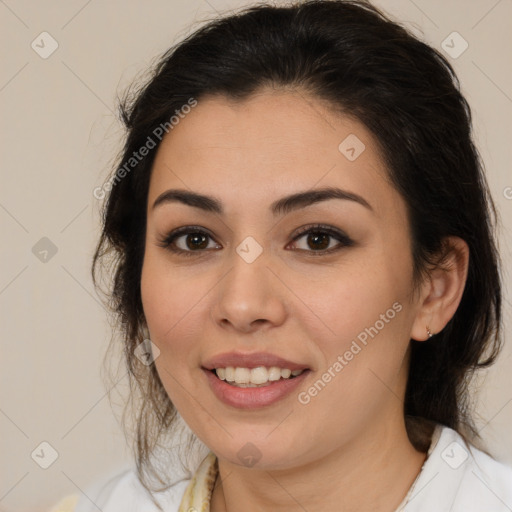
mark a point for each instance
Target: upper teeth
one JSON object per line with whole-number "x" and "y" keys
{"x": 259, "y": 375}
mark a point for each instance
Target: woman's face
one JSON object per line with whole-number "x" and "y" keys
{"x": 271, "y": 274}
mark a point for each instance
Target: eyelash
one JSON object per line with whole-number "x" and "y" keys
{"x": 344, "y": 240}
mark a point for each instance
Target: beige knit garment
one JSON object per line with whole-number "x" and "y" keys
{"x": 199, "y": 491}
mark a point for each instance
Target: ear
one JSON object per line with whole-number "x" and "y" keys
{"x": 442, "y": 289}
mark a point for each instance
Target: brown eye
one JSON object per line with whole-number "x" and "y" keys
{"x": 318, "y": 240}
{"x": 196, "y": 241}
{"x": 188, "y": 240}
{"x": 321, "y": 240}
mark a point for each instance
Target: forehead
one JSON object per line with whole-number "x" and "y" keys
{"x": 271, "y": 144}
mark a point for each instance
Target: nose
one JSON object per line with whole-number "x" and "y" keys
{"x": 249, "y": 297}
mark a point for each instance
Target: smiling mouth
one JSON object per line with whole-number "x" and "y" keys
{"x": 260, "y": 376}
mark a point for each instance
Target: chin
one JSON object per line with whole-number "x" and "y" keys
{"x": 258, "y": 451}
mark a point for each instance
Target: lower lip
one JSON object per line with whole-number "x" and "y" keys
{"x": 253, "y": 398}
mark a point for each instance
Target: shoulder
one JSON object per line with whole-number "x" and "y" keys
{"x": 459, "y": 477}
{"x": 123, "y": 492}
{"x": 120, "y": 490}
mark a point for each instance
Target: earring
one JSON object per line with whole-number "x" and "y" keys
{"x": 429, "y": 333}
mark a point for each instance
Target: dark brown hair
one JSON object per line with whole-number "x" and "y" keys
{"x": 405, "y": 92}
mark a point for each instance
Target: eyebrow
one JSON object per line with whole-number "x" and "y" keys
{"x": 280, "y": 207}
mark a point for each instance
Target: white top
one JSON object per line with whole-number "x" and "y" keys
{"x": 455, "y": 478}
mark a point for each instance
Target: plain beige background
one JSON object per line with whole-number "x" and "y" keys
{"x": 59, "y": 138}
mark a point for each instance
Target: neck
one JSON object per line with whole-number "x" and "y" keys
{"x": 374, "y": 471}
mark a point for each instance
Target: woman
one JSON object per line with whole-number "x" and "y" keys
{"x": 304, "y": 270}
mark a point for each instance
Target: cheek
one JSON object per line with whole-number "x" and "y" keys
{"x": 161, "y": 308}
{"x": 165, "y": 298}
{"x": 174, "y": 303}
{"x": 347, "y": 301}
{"x": 365, "y": 320}
{"x": 172, "y": 308}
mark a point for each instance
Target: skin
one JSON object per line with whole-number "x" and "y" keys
{"x": 347, "y": 449}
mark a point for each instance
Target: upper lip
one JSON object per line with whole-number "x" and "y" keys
{"x": 240, "y": 360}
